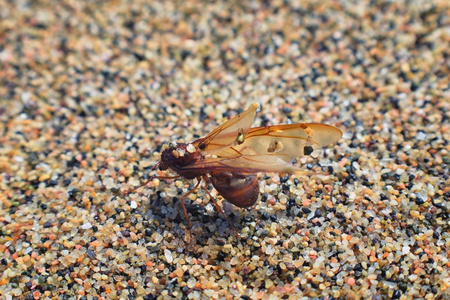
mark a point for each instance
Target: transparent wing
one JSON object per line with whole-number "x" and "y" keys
{"x": 269, "y": 149}
{"x": 288, "y": 141}
{"x": 227, "y": 133}
{"x": 245, "y": 164}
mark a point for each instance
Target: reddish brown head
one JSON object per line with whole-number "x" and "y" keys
{"x": 178, "y": 156}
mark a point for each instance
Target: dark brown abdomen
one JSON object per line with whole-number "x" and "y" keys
{"x": 240, "y": 189}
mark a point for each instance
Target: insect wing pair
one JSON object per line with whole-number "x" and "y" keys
{"x": 233, "y": 153}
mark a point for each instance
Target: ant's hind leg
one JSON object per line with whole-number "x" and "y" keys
{"x": 220, "y": 209}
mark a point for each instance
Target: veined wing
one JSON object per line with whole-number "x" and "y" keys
{"x": 227, "y": 133}
{"x": 245, "y": 164}
{"x": 285, "y": 141}
{"x": 269, "y": 149}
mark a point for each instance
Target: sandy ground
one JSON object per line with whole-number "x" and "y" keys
{"x": 91, "y": 90}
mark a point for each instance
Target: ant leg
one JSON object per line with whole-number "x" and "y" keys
{"x": 184, "y": 206}
{"x": 146, "y": 182}
{"x": 220, "y": 209}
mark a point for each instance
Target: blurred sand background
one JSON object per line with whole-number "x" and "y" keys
{"x": 90, "y": 90}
